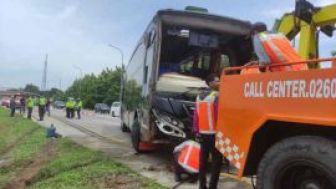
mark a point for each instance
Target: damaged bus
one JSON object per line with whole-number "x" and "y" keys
{"x": 166, "y": 71}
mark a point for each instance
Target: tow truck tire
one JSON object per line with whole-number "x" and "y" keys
{"x": 303, "y": 162}
{"x": 136, "y": 136}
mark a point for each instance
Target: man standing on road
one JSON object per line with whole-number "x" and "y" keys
{"x": 30, "y": 105}
{"x": 48, "y": 106}
{"x": 205, "y": 124}
{"x": 67, "y": 108}
{"x": 12, "y": 106}
{"x": 78, "y": 107}
{"x": 72, "y": 107}
{"x": 22, "y": 105}
{"x": 42, "y": 105}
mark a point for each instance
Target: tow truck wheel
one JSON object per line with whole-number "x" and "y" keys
{"x": 304, "y": 162}
{"x": 135, "y": 133}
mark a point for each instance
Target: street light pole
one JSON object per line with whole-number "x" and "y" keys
{"x": 121, "y": 53}
{"x": 122, "y": 69}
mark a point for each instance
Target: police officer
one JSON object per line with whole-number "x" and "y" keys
{"x": 72, "y": 104}
{"x": 67, "y": 108}
{"x": 78, "y": 107}
{"x": 42, "y": 105}
{"x": 30, "y": 105}
{"x": 205, "y": 124}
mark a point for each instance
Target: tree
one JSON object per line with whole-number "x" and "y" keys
{"x": 92, "y": 89}
{"x": 32, "y": 88}
{"x": 57, "y": 94}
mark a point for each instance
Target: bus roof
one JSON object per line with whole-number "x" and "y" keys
{"x": 206, "y": 21}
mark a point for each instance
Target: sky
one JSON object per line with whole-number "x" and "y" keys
{"x": 75, "y": 34}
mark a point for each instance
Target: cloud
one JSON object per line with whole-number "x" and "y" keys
{"x": 66, "y": 12}
{"x": 275, "y": 12}
{"x": 323, "y": 2}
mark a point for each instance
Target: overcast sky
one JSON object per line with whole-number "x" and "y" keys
{"x": 76, "y": 33}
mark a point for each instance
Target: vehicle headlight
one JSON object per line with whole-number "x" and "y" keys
{"x": 173, "y": 121}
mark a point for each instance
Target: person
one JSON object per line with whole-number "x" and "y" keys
{"x": 22, "y": 105}
{"x": 67, "y": 108}
{"x": 186, "y": 160}
{"x": 48, "y": 103}
{"x": 42, "y": 105}
{"x": 274, "y": 48}
{"x": 30, "y": 105}
{"x": 72, "y": 108}
{"x": 78, "y": 107}
{"x": 12, "y": 106}
{"x": 204, "y": 123}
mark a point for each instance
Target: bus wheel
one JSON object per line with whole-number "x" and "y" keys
{"x": 304, "y": 162}
{"x": 135, "y": 133}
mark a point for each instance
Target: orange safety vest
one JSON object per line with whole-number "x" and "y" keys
{"x": 247, "y": 70}
{"x": 279, "y": 50}
{"x": 206, "y": 113}
{"x": 189, "y": 156}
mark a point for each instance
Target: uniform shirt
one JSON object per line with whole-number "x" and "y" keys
{"x": 204, "y": 94}
{"x": 260, "y": 51}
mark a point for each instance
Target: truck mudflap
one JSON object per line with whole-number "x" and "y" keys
{"x": 246, "y": 102}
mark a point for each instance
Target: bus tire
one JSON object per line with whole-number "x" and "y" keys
{"x": 136, "y": 136}
{"x": 299, "y": 162}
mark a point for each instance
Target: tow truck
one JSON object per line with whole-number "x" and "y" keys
{"x": 280, "y": 126}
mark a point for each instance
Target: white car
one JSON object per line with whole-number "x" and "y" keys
{"x": 115, "y": 109}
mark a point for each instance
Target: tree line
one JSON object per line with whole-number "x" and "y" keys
{"x": 91, "y": 89}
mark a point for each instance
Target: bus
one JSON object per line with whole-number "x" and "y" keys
{"x": 166, "y": 71}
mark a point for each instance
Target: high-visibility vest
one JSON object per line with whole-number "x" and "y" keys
{"x": 30, "y": 102}
{"x": 189, "y": 157}
{"x": 67, "y": 104}
{"x": 71, "y": 104}
{"x": 42, "y": 101}
{"x": 279, "y": 50}
{"x": 79, "y": 105}
{"x": 206, "y": 113}
{"x": 247, "y": 70}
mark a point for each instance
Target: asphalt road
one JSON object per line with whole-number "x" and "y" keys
{"x": 102, "y": 132}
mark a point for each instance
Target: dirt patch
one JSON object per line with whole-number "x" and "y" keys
{"x": 28, "y": 173}
{"x": 116, "y": 181}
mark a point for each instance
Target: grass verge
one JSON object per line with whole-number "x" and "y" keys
{"x": 72, "y": 166}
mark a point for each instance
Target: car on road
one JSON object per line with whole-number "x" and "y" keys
{"x": 102, "y": 108}
{"x": 115, "y": 109}
{"x": 5, "y": 101}
{"x": 59, "y": 104}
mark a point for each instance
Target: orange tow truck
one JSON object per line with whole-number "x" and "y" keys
{"x": 280, "y": 126}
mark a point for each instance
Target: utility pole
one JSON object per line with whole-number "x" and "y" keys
{"x": 44, "y": 77}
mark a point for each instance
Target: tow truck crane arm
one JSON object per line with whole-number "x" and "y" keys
{"x": 307, "y": 20}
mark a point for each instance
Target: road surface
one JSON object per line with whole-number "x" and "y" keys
{"x": 102, "y": 132}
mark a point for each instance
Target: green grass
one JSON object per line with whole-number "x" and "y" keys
{"x": 13, "y": 129}
{"x": 72, "y": 167}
